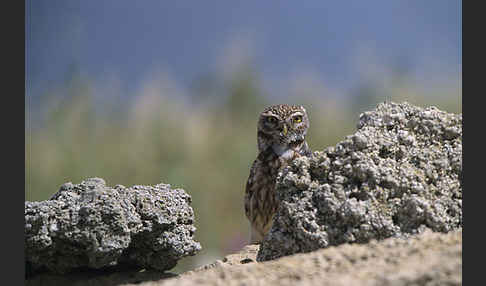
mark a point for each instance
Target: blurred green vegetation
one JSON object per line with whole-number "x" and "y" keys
{"x": 205, "y": 145}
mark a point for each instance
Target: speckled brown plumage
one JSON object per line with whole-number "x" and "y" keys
{"x": 281, "y": 138}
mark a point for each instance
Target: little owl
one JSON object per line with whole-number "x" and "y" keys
{"x": 281, "y": 138}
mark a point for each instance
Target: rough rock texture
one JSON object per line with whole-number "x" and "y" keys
{"x": 246, "y": 255}
{"x": 429, "y": 258}
{"x": 398, "y": 175}
{"x": 90, "y": 225}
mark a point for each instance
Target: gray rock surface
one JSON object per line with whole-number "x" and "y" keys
{"x": 92, "y": 226}
{"x": 398, "y": 175}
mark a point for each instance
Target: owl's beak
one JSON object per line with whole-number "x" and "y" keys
{"x": 284, "y": 130}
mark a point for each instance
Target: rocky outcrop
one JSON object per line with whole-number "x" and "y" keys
{"x": 398, "y": 175}
{"x": 93, "y": 226}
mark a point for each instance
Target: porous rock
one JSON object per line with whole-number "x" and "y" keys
{"x": 398, "y": 175}
{"x": 92, "y": 226}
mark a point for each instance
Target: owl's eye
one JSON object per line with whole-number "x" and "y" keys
{"x": 297, "y": 119}
{"x": 271, "y": 119}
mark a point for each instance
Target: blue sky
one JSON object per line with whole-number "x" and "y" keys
{"x": 130, "y": 39}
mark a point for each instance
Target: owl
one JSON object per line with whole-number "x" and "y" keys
{"x": 281, "y": 132}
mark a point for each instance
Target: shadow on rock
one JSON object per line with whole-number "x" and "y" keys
{"x": 106, "y": 277}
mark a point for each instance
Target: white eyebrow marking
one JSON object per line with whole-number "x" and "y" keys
{"x": 269, "y": 113}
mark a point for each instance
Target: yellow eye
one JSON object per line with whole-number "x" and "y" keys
{"x": 271, "y": 119}
{"x": 297, "y": 119}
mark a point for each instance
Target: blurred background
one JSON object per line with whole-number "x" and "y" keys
{"x": 143, "y": 92}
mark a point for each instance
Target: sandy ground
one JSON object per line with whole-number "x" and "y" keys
{"x": 428, "y": 259}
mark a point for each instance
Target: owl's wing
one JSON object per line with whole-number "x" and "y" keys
{"x": 250, "y": 186}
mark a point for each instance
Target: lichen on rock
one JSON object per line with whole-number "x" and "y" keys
{"x": 91, "y": 225}
{"x": 398, "y": 175}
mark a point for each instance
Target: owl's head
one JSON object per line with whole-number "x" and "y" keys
{"x": 282, "y": 127}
